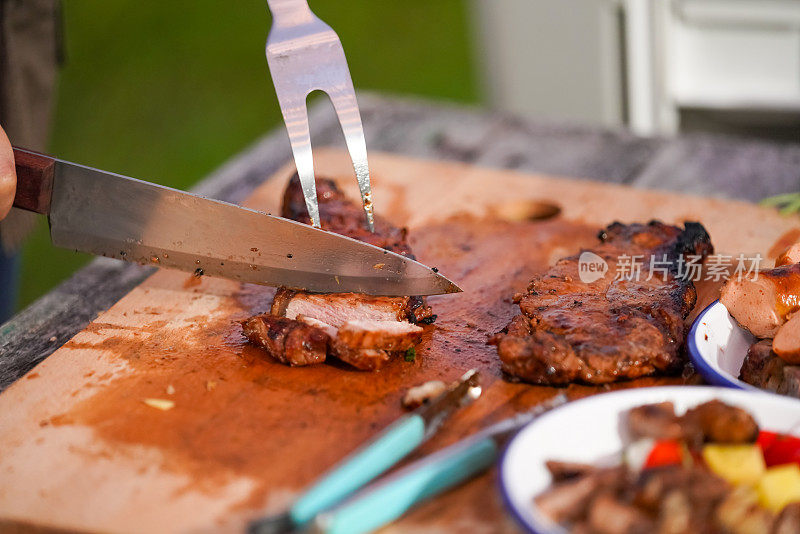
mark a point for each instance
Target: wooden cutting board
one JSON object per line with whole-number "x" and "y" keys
{"x": 80, "y": 449}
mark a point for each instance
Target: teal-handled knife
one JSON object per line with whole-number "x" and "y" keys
{"x": 373, "y": 458}
{"x": 389, "y": 498}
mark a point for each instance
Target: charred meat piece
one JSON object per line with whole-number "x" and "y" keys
{"x": 288, "y": 341}
{"x": 761, "y": 367}
{"x": 367, "y": 344}
{"x": 764, "y": 369}
{"x": 613, "y": 327}
{"x": 656, "y": 421}
{"x": 722, "y": 423}
{"x": 362, "y": 330}
{"x": 339, "y": 214}
{"x": 790, "y": 385}
{"x": 762, "y": 304}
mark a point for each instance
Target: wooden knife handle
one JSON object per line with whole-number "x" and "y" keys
{"x": 34, "y": 180}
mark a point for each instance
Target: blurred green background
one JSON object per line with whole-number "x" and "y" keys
{"x": 166, "y": 91}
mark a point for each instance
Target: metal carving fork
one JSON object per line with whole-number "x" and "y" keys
{"x": 304, "y": 55}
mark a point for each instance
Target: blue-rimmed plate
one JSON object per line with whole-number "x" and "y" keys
{"x": 717, "y": 347}
{"x": 592, "y": 430}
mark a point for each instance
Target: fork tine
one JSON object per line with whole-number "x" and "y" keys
{"x": 344, "y": 102}
{"x": 295, "y": 115}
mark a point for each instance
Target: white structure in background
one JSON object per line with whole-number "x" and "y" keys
{"x": 640, "y": 62}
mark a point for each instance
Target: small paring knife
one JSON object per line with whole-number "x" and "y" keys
{"x": 373, "y": 458}
{"x": 389, "y": 498}
{"x": 111, "y": 215}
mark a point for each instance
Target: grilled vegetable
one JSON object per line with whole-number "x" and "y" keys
{"x": 738, "y": 464}
{"x": 779, "y": 486}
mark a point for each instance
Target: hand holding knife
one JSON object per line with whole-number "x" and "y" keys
{"x": 111, "y": 215}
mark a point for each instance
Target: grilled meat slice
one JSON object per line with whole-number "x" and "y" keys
{"x": 367, "y": 344}
{"x": 362, "y": 330}
{"x": 612, "y": 327}
{"x": 338, "y": 308}
{"x": 393, "y": 336}
{"x": 288, "y": 341}
{"x": 762, "y": 304}
{"x": 338, "y": 214}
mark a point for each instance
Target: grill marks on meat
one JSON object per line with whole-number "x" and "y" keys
{"x": 364, "y": 331}
{"x": 599, "y": 332}
{"x": 289, "y": 341}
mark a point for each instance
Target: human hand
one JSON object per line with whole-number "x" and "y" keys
{"x": 8, "y": 176}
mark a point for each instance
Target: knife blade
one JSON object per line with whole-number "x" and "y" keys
{"x": 107, "y": 214}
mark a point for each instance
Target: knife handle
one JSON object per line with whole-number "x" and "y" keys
{"x": 389, "y": 499}
{"x": 34, "y": 180}
{"x": 366, "y": 463}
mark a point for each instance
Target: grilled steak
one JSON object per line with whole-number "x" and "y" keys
{"x": 362, "y": 330}
{"x": 287, "y": 340}
{"x": 764, "y": 369}
{"x": 612, "y": 327}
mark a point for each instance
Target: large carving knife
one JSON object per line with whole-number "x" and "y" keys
{"x": 107, "y": 214}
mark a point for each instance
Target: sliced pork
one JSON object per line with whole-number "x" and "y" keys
{"x": 337, "y": 308}
{"x": 367, "y": 344}
{"x": 608, "y": 327}
{"x": 364, "y": 331}
{"x": 287, "y": 340}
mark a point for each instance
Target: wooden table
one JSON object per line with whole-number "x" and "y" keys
{"x": 703, "y": 164}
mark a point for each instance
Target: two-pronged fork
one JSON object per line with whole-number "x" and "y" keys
{"x": 304, "y": 55}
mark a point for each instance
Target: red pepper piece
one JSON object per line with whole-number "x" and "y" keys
{"x": 665, "y": 452}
